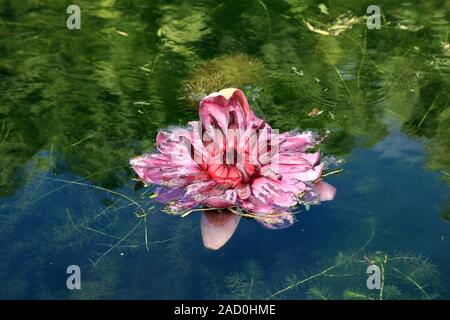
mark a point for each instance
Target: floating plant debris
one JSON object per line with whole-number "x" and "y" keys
{"x": 231, "y": 164}
{"x": 315, "y": 112}
{"x": 341, "y": 24}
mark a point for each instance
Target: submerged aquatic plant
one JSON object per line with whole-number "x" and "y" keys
{"x": 402, "y": 276}
{"x": 245, "y": 285}
{"x": 233, "y": 164}
{"x": 347, "y": 278}
{"x": 221, "y": 72}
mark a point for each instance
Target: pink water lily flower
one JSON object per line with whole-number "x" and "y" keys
{"x": 231, "y": 164}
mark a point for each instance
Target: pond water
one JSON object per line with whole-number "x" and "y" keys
{"x": 75, "y": 105}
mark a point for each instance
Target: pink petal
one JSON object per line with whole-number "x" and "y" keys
{"x": 182, "y": 144}
{"x": 225, "y": 109}
{"x": 240, "y": 98}
{"x": 218, "y": 227}
{"x": 228, "y": 198}
{"x": 325, "y": 190}
{"x": 161, "y": 169}
{"x": 293, "y": 167}
{"x": 296, "y": 174}
{"x": 277, "y": 220}
{"x": 294, "y": 158}
{"x": 243, "y": 192}
{"x": 312, "y": 158}
{"x": 178, "y": 202}
{"x": 199, "y": 190}
{"x": 270, "y": 192}
{"x": 254, "y": 205}
{"x": 296, "y": 142}
{"x": 165, "y": 194}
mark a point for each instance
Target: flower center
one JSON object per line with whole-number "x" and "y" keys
{"x": 225, "y": 173}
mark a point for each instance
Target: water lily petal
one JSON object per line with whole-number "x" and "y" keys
{"x": 244, "y": 192}
{"x": 225, "y": 109}
{"x": 276, "y": 220}
{"x": 326, "y": 191}
{"x": 268, "y": 192}
{"x": 227, "y": 199}
{"x": 294, "y": 141}
{"x": 176, "y": 199}
{"x": 161, "y": 169}
{"x": 312, "y": 158}
{"x": 166, "y": 194}
{"x": 182, "y": 144}
{"x": 217, "y": 228}
{"x": 199, "y": 190}
{"x": 294, "y": 173}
